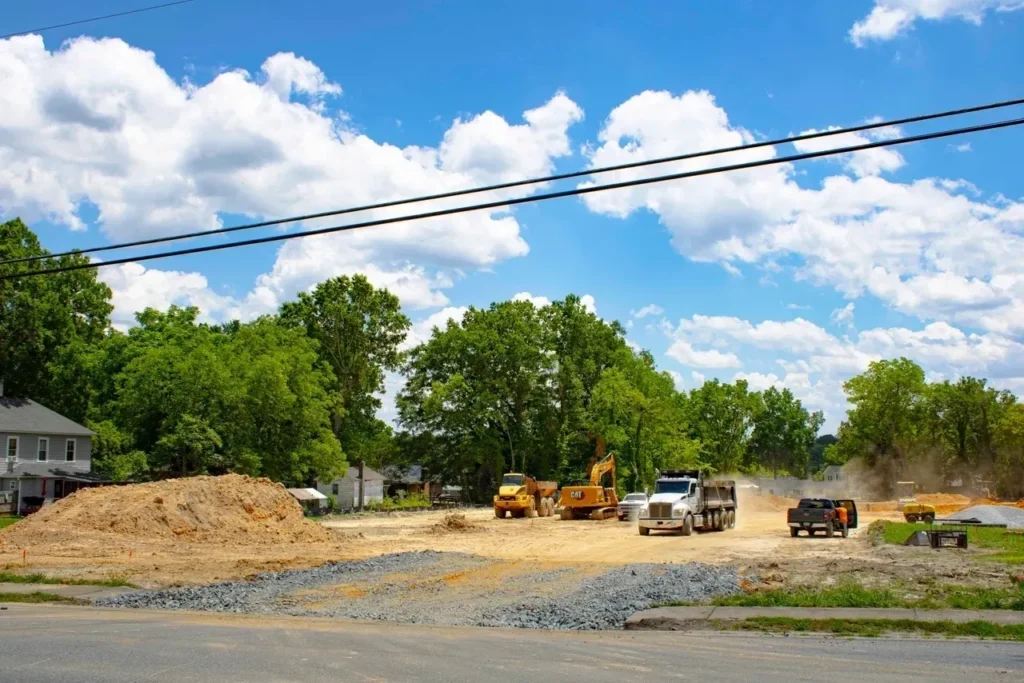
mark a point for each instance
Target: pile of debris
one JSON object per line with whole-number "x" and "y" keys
{"x": 230, "y": 509}
{"x": 454, "y": 522}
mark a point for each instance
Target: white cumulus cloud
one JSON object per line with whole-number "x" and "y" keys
{"x": 890, "y": 18}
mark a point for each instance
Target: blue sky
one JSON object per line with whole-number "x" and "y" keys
{"x": 752, "y": 276}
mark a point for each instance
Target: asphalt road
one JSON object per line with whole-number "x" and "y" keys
{"x": 49, "y": 643}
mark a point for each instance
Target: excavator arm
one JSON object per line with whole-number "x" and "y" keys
{"x": 601, "y": 467}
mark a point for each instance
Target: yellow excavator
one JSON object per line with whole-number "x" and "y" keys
{"x": 592, "y": 501}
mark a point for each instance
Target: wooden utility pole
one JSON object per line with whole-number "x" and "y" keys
{"x": 362, "y": 484}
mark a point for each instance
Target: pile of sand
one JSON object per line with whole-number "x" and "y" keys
{"x": 231, "y": 509}
{"x": 943, "y": 499}
{"x": 1012, "y": 517}
{"x": 453, "y": 521}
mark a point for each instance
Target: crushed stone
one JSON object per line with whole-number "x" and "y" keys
{"x": 1012, "y": 517}
{"x": 430, "y": 587}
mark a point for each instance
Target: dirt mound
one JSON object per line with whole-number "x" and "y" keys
{"x": 943, "y": 499}
{"x": 765, "y": 502}
{"x": 453, "y": 522}
{"x": 230, "y": 509}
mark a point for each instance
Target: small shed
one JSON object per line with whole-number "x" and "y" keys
{"x": 833, "y": 473}
{"x": 312, "y": 501}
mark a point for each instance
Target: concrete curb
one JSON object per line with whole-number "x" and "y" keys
{"x": 690, "y": 618}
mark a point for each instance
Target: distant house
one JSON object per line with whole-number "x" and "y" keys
{"x": 833, "y": 473}
{"x": 412, "y": 480}
{"x": 346, "y": 489}
{"x": 46, "y": 455}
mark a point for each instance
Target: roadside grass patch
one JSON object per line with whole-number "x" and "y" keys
{"x": 40, "y": 597}
{"x": 873, "y": 628}
{"x": 850, "y": 594}
{"x": 6, "y": 521}
{"x": 115, "y": 581}
{"x": 1008, "y": 543}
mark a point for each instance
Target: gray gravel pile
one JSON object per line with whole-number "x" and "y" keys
{"x": 1012, "y": 517}
{"x": 607, "y": 600}
{"x": 429, "y": 588}
{"x": 263, "y": 593}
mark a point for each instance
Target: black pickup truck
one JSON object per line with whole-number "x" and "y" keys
{"x": 822, "y": 514}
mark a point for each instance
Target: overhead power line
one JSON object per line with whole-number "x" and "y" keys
{"x": 532, "y": 198}
{"x": 533, "y": 181}
{"x": 105, "y": 16}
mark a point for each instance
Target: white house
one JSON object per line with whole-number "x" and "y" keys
{"x": 346, "y": 490}
{"x": 833, "y": 473}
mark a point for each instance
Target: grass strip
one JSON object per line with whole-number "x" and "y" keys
{"x": 1009, "y": 544}
{"x": 7, "y": 521}
{"x": 873, "y": 628}
{"x": 112, "y": 582}
{"x": 855, "y": 595}
{"x": 40, "y": 597}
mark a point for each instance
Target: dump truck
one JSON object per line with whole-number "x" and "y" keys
{"x": 683, "y": 501}
{"x": 521, "y": 495}
{"x": 822, "y": 514}
{"x": 908, "y": 505}
{"x": 592, "y": 500}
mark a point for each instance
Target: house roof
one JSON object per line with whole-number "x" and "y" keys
{"x": 368, "y": 474}
{"x": 54, "y": 471}
{"x": 23, "y": 415}
{"x": 307, "y": 494}
{"x": 413, "y": 474}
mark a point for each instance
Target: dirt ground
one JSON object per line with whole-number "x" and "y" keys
{"x": 760, "y": 546}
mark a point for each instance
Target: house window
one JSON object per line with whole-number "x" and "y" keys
{"x": 44, "y": 449}
{"x": 12, "y": 448}
{"x": 69, "y": 450}
{"x": 13, "y": 485}
{"x": 334, "y": 489}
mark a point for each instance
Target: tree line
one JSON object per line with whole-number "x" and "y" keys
{"x": 295, "y": 395}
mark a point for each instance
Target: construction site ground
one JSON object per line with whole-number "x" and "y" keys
{"x": 760, "y": 547}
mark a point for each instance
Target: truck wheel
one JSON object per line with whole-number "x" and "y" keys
{"x": 644, "y": 531}
{"x": 732, "y": 519}
{"x": 830, "y": 529}
{"x": 499, "y": 513}
{"x": 912, "y": 519}
{"x": 929, "y": 519}
{"x": 531, "y": 511}
{"x": 846, "y": 530}
{"x": 688, "y": 525}
{"x": 793, "y": 531}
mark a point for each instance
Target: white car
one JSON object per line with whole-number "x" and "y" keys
{"x": 629, "y": 507}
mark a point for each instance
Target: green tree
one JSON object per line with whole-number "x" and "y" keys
{"x": 721, "y": 418}
{"x": 475, "y": 388}
{"x": 47, "y": 324}
{"x": 113, "y": 455}
{"x": 886, "y": 422}
{"x": 637, "y": 412}
{"x": 1009, "y": 471}
{"x": 189, "y": 447}
{"x": 359, "y": 329}
{"x": 783, "y": 434}
{"x": 962, "y": 419}
{"x": 818, "y": 451}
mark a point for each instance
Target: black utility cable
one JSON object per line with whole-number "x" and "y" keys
{"x": 519, "y": 183}
{"x": 535, "y": 198}
{"x": 106, "y": 16}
